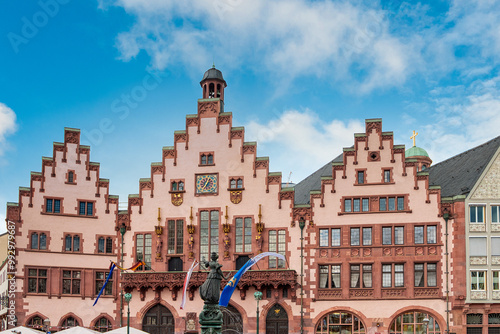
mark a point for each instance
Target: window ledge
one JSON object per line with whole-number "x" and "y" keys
{"x": 67, "y": 215}
{"x": 176, "y": 191}
{"x": 235, "y": 189}
{"x": 373, "y": 183}
{"x": 373, "y": 212}
{"x": 206, "y": 165}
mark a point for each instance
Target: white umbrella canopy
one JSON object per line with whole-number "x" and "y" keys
{"x": 78, "y": 330}
{"x": 21, "y": 330}
{"x": 123, "y": 330}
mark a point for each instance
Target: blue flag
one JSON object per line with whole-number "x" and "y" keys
{"x": 226, "y": 294}
{"x": 104, "y": 285}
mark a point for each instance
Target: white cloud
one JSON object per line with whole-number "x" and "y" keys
{"x": 7, "y": 125}
{"x": 337, "y": 41}
{"x": 302, "y": 141}
{"x": 465, "y": 117}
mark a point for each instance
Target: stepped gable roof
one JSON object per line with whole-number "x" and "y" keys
{"x": 459, "y": 174}
{"x": 313, "y": 182}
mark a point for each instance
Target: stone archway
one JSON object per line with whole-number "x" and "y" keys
{"x": 277, "y": 320}
{"x": 232, "y": 320}
{"x": 158, "y": 320}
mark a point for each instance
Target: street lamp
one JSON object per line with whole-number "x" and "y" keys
{"x": 426, "y": 324}
{"x": 258, "y": 296}
{"x": 46, "y": 325}
{"x": 302, "y": 224}
{"x": 123, "y": 229}
{"x": 128, "y": 297}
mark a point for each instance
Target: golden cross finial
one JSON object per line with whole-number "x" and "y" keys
{"x": 413, "y": 137}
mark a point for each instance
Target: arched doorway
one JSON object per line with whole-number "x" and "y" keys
{"x": 340, "y": 322}
{"x": 277, "y": 320}
{"x": 413, "y": 322}
{"x": 158, "y": 320}
{"x": 232, "y": 322}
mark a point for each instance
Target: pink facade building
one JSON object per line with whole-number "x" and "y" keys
{"x": 366, "y": 235}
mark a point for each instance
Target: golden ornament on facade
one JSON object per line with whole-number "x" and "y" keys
{"x": 177, "y": 199}
{"x": 236, "y": 196}
{"x": 158, "y": 230}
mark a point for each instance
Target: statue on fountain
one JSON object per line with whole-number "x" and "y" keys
{"x": 211, "y": 316}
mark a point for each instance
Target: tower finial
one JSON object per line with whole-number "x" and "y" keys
{"x": 415, "y": 134}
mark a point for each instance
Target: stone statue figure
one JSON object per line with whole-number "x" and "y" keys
{"x": 210, "y": 289}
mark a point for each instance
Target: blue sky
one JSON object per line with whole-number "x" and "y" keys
{"x": 302, "y": 77}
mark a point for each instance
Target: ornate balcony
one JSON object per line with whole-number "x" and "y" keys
{"x": 175, "y": 279}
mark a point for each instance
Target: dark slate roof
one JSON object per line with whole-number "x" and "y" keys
{"x": 213, "y": 73}
{"x": 313, "y": 182}
{"x": 459, "y": 174}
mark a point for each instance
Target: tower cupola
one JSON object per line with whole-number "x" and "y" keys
{"x": 213, "y": 84}
{"x": 419, "y": 154}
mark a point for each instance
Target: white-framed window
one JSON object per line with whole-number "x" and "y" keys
{"x": 476, "y": 214}
{"x": 495, "y": 213}
{"x": 495, "y": 246}
{"x": 496, "y": 280}
{"x": 478, "y": 246}
{"x": 478, "y": 280}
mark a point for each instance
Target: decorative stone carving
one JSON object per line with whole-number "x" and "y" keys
{"x": 301, "y": 212}
{"x": 72, "y": 137}
{"x": 262, "y": 164}
{"x": 426, "y": 292}
{"x": 236, "y": 134}
{"x": 336, "y": 253}
{"x": 478, "y": 295}
{"x": 226, "y": 119}
{"x": 192, "y": 121}
{"x": 180, "y": 137}
{"x": 168, "y": 154}
{"x": 490, "y": 187}
{"x": 419, "y": 251}
{"x": 360, "y": 293}
{"x": 478, "y": 260}
{"x": 399, "y": 251}
{"x": 495, "y": 227}
{"x": 207, "y": 108}
{"x": 157, "y": 169}
{"x": 496, "y": 295}
{"x": 367, "y": 252}
{"x": 495, "y": 260}
{"x": 393, "y": 293}
{"x": 432, "y": 250}
{"x": 387, "y": 251}
{"x": 355, "y": 252}
{"x": 477, "y": 227}
{"x": 248, "y": 149}
{"x": 191, "y": 318}
{"x": 274, "y": 179}
{"x": 323, "y": 253}
{"x": 329, "y": 294}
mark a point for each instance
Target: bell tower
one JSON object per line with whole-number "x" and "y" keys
{"x": 213, "y": 84}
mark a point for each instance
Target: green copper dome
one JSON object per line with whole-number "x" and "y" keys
{"x": 416, "y": 152}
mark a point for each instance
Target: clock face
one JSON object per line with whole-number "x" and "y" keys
{"x": 206, "y": 184}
